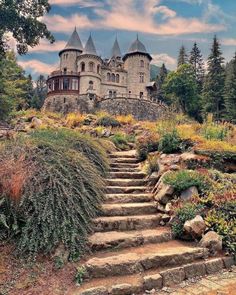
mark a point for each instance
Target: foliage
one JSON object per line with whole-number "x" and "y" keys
{"x": 152, "y": 164}
{"x": 160, "y": 82}
{"x": 120, "y": 140}
{"x": 183, "y": 214}
{"x": 58, "y": 198}
{"x": 22, "y": 19}
{"x": 196, "y": 60}
{"x": 74, "y": 120}
{"x": 145, "y": 144}
{"x": 126, "y": 120}
{"x": 181, "y": 86}
{"x": 230, "y": 92}
{"x": 39, "y": 93}
{"x": 108, "y": 121}
{"x": 183, "y": 179}
{"x": 214, "y": 131}
{"x": 170, "y": 142}
{"x": 213, "y": 92}
{"x": 79, "y": 277}
{"x": 183, "y": 57}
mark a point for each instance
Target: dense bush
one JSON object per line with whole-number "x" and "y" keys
{"x": 54, "y": 203}
{"x": 108, "y": 121}
{"x": 145, "y": 144}
{"x": 183, "y": 179}
{"x": 120, "y": 140}
{"x": 170, "y": 142}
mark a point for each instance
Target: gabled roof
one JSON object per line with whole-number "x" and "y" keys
{"x": 116, "y": 52}
{"x": 137, "y": 46}
{"x": 90, "y": 47}
{"x": 74, "y": 43}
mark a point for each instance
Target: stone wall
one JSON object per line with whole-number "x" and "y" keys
{"x": 139, "y": 109}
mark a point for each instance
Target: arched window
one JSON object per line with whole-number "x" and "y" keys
{"x": 113, "y": 77}
{"x": 56, "y": 85}
{"x": 90, "y": 85}
{"x": 114, "y": 93}
{"x": 141, "y": 63}
{"x": 82, "y": 67}
{"x": 91, "y": 67}
{"x": 66, "y": 84}
{"x": 110, "y": 93}
{"x": 141, "y": 78}
{"x": 117, "y": 78}
{"x": 98, "y": 69}
{"x": 108, "y": 77}
{"x": 65, "y": 71}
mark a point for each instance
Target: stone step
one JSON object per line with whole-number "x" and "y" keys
{"x": 127, "y": 175}
{"x": 118, "y": 240}
{"x": 125, "y": 160}
{"x": 126, "y": 182}
{"x": 128, "y": 198}
{"x": 143, "y": 258}
{"x": 123, "y": 154}
{"x": 124, "y": 165}
{"x": 124, "y": 170}
{"x": 129, "y": 209}
{"x": 155, "y": 279}
{"x": 126, "y": 189}
{"x": 126, "y": 223}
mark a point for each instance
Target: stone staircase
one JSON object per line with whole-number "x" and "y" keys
{"x": 132, "y": 252}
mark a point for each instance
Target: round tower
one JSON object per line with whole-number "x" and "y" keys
{"x": 137, "y": 64}
{"x": 89, "y": 66}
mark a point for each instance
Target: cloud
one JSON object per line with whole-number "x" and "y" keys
{"x": 46, "y": 46}
{"x": 159, "y": 59}
{"x": 37, "y": 67}
{"x": 229, "y": 42}
{"x": 80, "y": 3}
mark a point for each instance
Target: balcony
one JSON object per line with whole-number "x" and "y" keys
{"x": 63, "y": 73}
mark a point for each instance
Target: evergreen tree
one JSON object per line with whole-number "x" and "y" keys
{"x": 40, "y": 93}
{"x": 230, "y": 92}
{"x": 197, "y": 63}
{"x": 22, "y": 19}
{"x": 213, "y": 92}
{"x": 160, "y": 81}
{"x": 183, "y": 57}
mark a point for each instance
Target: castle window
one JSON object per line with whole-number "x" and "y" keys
{"x": 108, "y": 77}
{"x": 74, "y": 84}
{"x": 113, "y": 78}
{"x": 117, "y": 78}
{"x": 114, "y": 93}
{"x": 110, "y": 93}
{"x": 141, "y": 63}
{"x": 56, "y": 85}
{"x": 82, "y": 66}
{"x": 141, "y": 95}
{"x": 64, "y": 99}
{"x": 91, "y": 67}
{"x": 98, "y": 69}
{"x": 65, "y": 71}
{"x": 141, "y": 77}
{"x": 65, "y": 84}
{"x": 90, "y": 85}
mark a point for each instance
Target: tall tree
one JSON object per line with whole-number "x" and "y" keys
{"x": 22, "y": 19}
{"x": 40, "y": 93}
{"x": 181, "y": 86}
{"x": 213, "y": 92}
{"x": 183, "y": 57}
{"x": 196, "y": 60}
{"x": 160, "y": 81}
{"x": 230, "y": 92}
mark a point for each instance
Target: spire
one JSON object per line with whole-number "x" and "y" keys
{"x": 90, "y": 47}
{"x": 116, "y": 52}
{"x": 74, "y": 42}
{"x": 137, "y": 46}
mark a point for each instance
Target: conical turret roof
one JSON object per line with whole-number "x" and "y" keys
{"x": 137, "y": 46}
{"x": 74, "y": 43}
{"x": 116, "y": 52}
{"x": 90, "y": 47}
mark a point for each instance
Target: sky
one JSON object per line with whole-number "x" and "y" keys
{"x": 163, "y": 26}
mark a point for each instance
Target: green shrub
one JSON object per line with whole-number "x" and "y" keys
{"x": 184, "y": 213}
{"x": 146, "y": 144}
{"x": 152, "y": 164}
{"x": 57, "y": 199}
{"x": 120, "y": 140}
{"x": 215, "y": 131}
{"x": 108, "y": 121}
{"x": 170, "y": 142}
{"x": 183, "y": 179}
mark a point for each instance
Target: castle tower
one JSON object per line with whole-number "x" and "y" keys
{"x": 69, "y": 54}
{"x": 137, "y": 64}
{"x": 116, "y": 52}
{"x": 89, "y": 66}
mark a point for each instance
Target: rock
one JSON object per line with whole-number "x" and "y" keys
{"x": 36, "y": 123}
{"x": 172, "y": 276}
{"x": 153, "y": 281}
{"x": 195, "y": 227}
{"x": 174, "y": 167}
{"x": 165, "y": 218}
{"x": 212, "y": 241}
{"x": 214, "y": 265}
{"x": 165, "y": 194}
{"x": 169, "y": 208}
{"x": 194, "y": 270}
{"x": 95, "y": 291}
{"x": 229, "y": 261}
{"x": 189, "y": 193}
{"x": 124, "y": 289}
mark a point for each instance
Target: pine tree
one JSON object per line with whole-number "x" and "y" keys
{"x": 183, "y": 57}
{"x": 40, "y": 92}
{"x": 197, "y": 63}
{"x": 160, "y": 81}
{"x": 213, "y": 92}
{"x": 230, "y": 92}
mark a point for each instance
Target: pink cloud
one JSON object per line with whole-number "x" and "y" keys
{"x": 46, "y": 46}
{"x": 159, "y": 59}
{"x": 37, "y": 67}
{"x": 82, "y": 3}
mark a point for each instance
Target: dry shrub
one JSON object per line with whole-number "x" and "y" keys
{"x": 14, "y": 172}
{"x": 126, "y": 120}
{"x": 74, "y": 120}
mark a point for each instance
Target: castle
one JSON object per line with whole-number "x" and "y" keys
{"x": 85, "y": 81}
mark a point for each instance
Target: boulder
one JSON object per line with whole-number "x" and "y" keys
{"x": 36, "y": 123}
{"x": 195, "y": 227}
{"x": 189, "y": 193}
{"x": 165, "y": 194}
{"x": 212, "y": 241}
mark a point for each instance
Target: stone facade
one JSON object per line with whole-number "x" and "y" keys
{"x": 85, "y": 81}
